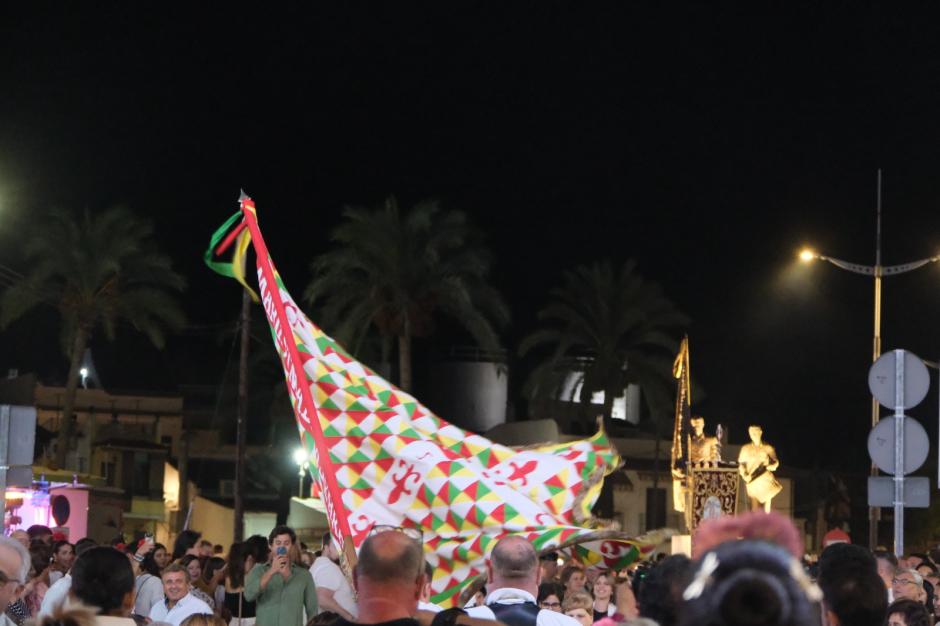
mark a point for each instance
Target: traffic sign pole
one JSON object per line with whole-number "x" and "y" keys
{"x": 899, "y": 453}
{"x": 899, "y": 380}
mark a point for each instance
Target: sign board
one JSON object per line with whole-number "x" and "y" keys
{"x": 916, "y": 491}
{"x": 881, "y": 444}
{"x": 882, "y": 378}
{"x": 20, "y": 438}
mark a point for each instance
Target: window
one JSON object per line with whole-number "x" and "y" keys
{"x": 141, "y": 474}
{"x": 108, "y": 470}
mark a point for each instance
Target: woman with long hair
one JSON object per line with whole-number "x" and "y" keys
{"x": 212, "y": 575}
{"x": 148, "y": 587}
{"x": 187, "y": 542}
{"x": 199, "y": 587}
{"x": 161, "y": 556}
{"x": 603, "y": 596}
{"x": 240, "y": 562}
{"x": 41, "y": 556}
{"x": 63, "y": 555}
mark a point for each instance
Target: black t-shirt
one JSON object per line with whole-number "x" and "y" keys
{"x": 232, "y": 600}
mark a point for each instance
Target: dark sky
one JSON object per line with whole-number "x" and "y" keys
{"x": 708, "y": 145}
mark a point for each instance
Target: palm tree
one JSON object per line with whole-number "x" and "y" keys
{"x": 99, "y": 270}
{"x": 396, "y": 271}
{"x": 612, "y": 328}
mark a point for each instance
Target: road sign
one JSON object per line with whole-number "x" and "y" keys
{"x": 882, "y": 377}
{"x": 898, "y": 445}
{"x": 881, "y": 444}
{"x": 916, "y": 491}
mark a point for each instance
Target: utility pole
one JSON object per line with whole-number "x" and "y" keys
{"x": 877, "y": 271}
{"x": 182, "y": 517}
{"x": 242, "y": 418}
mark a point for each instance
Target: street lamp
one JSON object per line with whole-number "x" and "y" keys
{"x": 877, "y": 271}
{"x": 300, "y": 458}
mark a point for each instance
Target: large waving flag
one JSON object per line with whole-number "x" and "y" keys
{"x": 381, "y": 457}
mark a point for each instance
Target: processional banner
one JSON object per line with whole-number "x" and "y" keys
{"x": 381, "y": 457}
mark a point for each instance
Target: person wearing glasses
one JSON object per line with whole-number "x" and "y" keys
{"x": 513, "y": 580}
{"x": 550, "y": 595}
{"x": 14, "y": 568}
{"x": 907, "y": 583}
{"x": 282, "y": 591}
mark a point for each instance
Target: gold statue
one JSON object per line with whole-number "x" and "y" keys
{"x": 702, "y": 485}
{"x": 703, "y": 449}
{"x": 757, "y": 462}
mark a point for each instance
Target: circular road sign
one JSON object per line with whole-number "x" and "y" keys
{"x": 881, "y": 444}
{"x": 881, "y": 378}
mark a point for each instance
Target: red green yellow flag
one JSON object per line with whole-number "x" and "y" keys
{"x": 381, "y": 457}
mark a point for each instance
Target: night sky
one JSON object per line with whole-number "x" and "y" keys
{"x": 707, "y": 145}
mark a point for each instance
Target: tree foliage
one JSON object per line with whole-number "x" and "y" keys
{"x": 396, "y": 271}
{"x": 611, "y": 328}
{"x": 99, "y": 270}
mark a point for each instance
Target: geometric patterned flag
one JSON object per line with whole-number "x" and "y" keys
{"x": 381, "y": 457}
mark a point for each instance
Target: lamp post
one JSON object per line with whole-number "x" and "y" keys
{"x": 877, "y": 271}
{"x": 300, "y": 458}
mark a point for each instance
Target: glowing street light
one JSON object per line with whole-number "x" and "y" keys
{"x": 84, "y": 374}
{"x": 877, "y": 271}
{"x": 300, "y": 458}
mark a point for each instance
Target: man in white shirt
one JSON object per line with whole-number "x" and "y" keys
{"x": 334, "y": 593}
{"x": 513, "y": 578}
{"x": 178, "y": 603}
{"x": 56, "y": 596}
{"x": 424, "y": 602}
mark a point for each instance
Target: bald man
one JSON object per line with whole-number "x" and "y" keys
{"x": 388, "y": 578}
{"x": 513, "y": 578}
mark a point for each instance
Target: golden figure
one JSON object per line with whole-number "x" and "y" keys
{"x": 757, "y": 462}
{"x": 702, "y": 449}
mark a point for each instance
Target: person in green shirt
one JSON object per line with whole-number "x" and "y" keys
{"x": 282, "y": 590}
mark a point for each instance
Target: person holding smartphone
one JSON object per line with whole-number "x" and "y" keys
{"x": 282, "y": 591}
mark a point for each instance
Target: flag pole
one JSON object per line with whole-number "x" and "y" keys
{"x": 302, "y": 400}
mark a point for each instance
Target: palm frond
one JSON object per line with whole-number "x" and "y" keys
{"x": 620, "y": 327}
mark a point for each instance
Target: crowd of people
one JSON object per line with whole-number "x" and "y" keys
{"x": 747, "y": 570}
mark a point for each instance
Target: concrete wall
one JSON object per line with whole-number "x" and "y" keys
{"x": 214, "y": 521}
{"x": 217, "y": 522}
{"x": 470, "y": 394}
